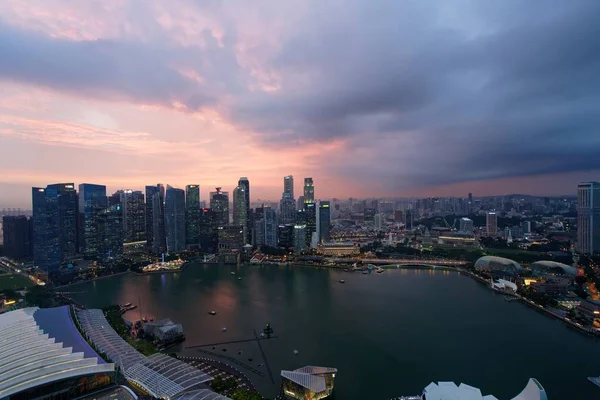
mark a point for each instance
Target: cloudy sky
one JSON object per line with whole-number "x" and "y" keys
{"x": 369, "y": 97}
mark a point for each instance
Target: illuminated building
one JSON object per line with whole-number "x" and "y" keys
{"x": 324, "y": 221}
{"x": 309, "y": 190}
{"x": 240, "y": 208}
{"x": 219, "y": 202}
{"x": 54, "y": 226}
{"x": 208, "y": 231}
{"x": 491, "y": 225}
{"x": 338, "y": 249}
{"x": 134, "y": 220}
{"x": 109, "y": 231}
{"x": 285, "y": 236}
{"x": 466, "y": 225}
{"x": 499, "y": 264}
{"x": 159, "y": 240}
{"x": 175, "y": 219}
{"x": 589, "y": 311}
{"x": 287, "y": 205}
{"x": 310, "y": 217}
{"x": 245, "y": 183}
{"x": 378, "y": 221}
{"x": 270, "y": 227}
{"x": 308, "y": 383}
{"x": 231, "y": 238}
{"x": 288, "y": 186}
{"x": 449, "y": 390}
{"x": 192, "y": 215}
{"x": 92, "y": 202}
{"x": 588, "y": 217}
{"x": 300, "y": 243}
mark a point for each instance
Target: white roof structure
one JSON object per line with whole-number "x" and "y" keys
{"x": 31, "y": 354}
{"x": 314, "y": 383}
{"x": 504, "y": 284}
{"x": 546, "y": 266}
{"x": 201, "y": 394}
{"x": 161, "y": 375}
{"x": 449, "y": 391}
{"x": 493, "y": 263}
{"x": 310, "y": 369}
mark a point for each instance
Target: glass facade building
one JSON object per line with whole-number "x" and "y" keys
{"x": 309, "y": 190}
{"x": 240, "y": 209}
{"x": 134, "y": 215}
{"x": 110, "y": 233}
{"x": 175, "y": 219}
{"x": 149, "y": 211}
{"x": 324, "y": 221}
{"x": 208, "y": 231}
{"x": 308, "y": 383}
{"x": 92, "y": 202}
{"x": 192, "y": 215}
{"x": 159, "y": 240}
{"x": 219, "y": 202}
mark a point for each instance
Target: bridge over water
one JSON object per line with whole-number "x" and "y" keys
{"x": 394, "y": 261}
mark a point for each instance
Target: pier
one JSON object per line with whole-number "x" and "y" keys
{"x": 230, "y": 342}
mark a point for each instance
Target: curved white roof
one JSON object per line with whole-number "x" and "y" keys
{"x": 31, "y": 355}
{"x": 496, "y": 263}
{"x": 449, "y": 391}
{"x": 546, "y": 265}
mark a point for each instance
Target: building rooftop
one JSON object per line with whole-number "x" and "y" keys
{"x": 450, "y": 391}
{"x": 310, "y": 377}
{"x": 38, "y": 347}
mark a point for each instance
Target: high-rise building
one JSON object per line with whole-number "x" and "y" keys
{"x": 54, "y": 226}
{"x": 588, "y": 217}
{"x": 193, "y": 213}
{"x": 92, "y": 202}
{"x": 109, "y": 233}
{"x": 175, "y": 219}
{"x": 208, "y": 231}
{"x": 287, "y": 210}
{"x": 309, "y": 190}
{"x": 300, "y": 243}
{"x": 285, "y": 236}
{"x": 159, "y": 240}
{"x": 378, "y": 221}
{"x": 219, "y": 202}
{"x": 270, "y": 227}
{"x": 324, "y": 221}
{"x": 240, "y": 209}
{"x": 134, "y": 215}
{"x": 245, "y": 183}
{"x": 491, "y": 226}
{"x": 526, "y": 226}
{"x": 150, "y": 192}
{"x": 288, "y": 186}
{"x": 231, "y": 238}
{"x": 466, "y": 225}
{"x": 300, "y": 203}
{"x": 16, "y": 233}
{"x": 310, "y": 218}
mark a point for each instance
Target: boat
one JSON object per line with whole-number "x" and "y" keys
{"x": 296, "y": 352}
{"x": 380, "y": 270}
{"x": 224, "y": 349}
{"x": 232, "y": 273}
{"x": 342, "y": 281}
{"x": 240, "y": 353}
{"x": 239, "y": 278}
{"x": 365, "y": 272}
{"x": 250, "y": 359}
{"x": 212, "y": 312}
{"x": 224, "y": 330}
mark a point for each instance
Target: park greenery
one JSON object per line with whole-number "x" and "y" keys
{"x": 246, "y": 395}
{"x": 221, "y": 385}
{"x": 115, "y": 319}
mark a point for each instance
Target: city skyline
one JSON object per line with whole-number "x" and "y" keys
{"x": 427, "y": 100}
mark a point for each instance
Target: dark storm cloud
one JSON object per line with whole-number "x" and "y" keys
{"x": 424, "y": 93}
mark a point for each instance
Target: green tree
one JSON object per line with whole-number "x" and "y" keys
{"x": 246, "y": 395}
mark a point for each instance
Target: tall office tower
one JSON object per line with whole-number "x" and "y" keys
{"x": 92, "y": 202}
{"x": 16, "y": 233}
{"x": 175, "y": 219}
{"x": 258, "y": 229}
{"x": 245, "y": 183}
{"x": 193, "y": 213}
{"x": 159, "y": 239}
{"x": 240, "y": 209}
{"x": 208, "y": 231}
{"x": 109, "y": 233}
{"x": 300, "y": 243}
{"x": 491, "y": 225}
{"x": 310, "y": 218}
{"x": 219, "y": 202}
{"x": 588, "y": 217}
{"x": 324, "y": 221}
{"x": 150, "y": 192}
{"x": 466, "y": 225}
{"x": 288, "y": 186}
{"x": 54, "y": 225}
{"x": 114, "y": 198}
{"x": 309, "y": 190}
{"x": 134, "y": 215}
{"x": 270, "y": 227}
{"x": 300, "y": 203}
{"x": 526, "y": 226}
{"x": 285, "y": 236}
{"x": 378, "y": 221}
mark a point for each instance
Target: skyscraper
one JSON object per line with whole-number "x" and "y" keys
{"x": 288, "y": 186}
{"x": 92, "y": 202}
{"x": 219, "y": 202}
{"x": 378, "y": 221}
{"x": 240, "y": 209}
{"x": 54, "y": 225}
{"x": 16, "y": 232}
{"x": 159, "y": 240}
{"x": 270, "y": 227}
{"x": 466, "y": 225}
{"x": 193, "y": 212}
{"x": 208, "y": 231}
{"x": 109, "y": 233}
{"x": 300, "y": 243}
{"x": 287, "y": 205}
{"x": 246, "y": 184}
{"x": 491, "y": 225}
{"x": 150, "y": 192}
{"x": 309, "y": 190}
{"x": 310, "y": 216}
{"x": 134, "y": 215}
{"x": 324, "y": 221}
{"x": 588, "y": 217}
{"x": 175, "y": 219}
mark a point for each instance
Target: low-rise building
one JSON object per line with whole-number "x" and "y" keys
{"x": 589, "y": 311}
{"x": 309, "y": 382}
{"x": 338, "y": 249}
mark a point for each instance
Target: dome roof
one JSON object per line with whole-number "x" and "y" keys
{"x": 492, "y": 263}
{"x": 549, "y": 265}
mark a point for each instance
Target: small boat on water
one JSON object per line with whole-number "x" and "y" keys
{"x": 296, "y": 352}
{"x": 224, "y": 330}
{"x": 239, "y": 278}
{"x": 342, "y": 281}
{"x": 240, "y": 353}
{"x": 365, "y": 272}
{"x": 232, "y": 273}
{"x": 250, "y": 359}
{"x": 212, "y": 312}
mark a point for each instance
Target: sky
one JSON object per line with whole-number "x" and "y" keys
{"x": 372, "y": 98}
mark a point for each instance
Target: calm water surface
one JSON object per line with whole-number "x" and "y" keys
{"x": 388, "y": 334}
